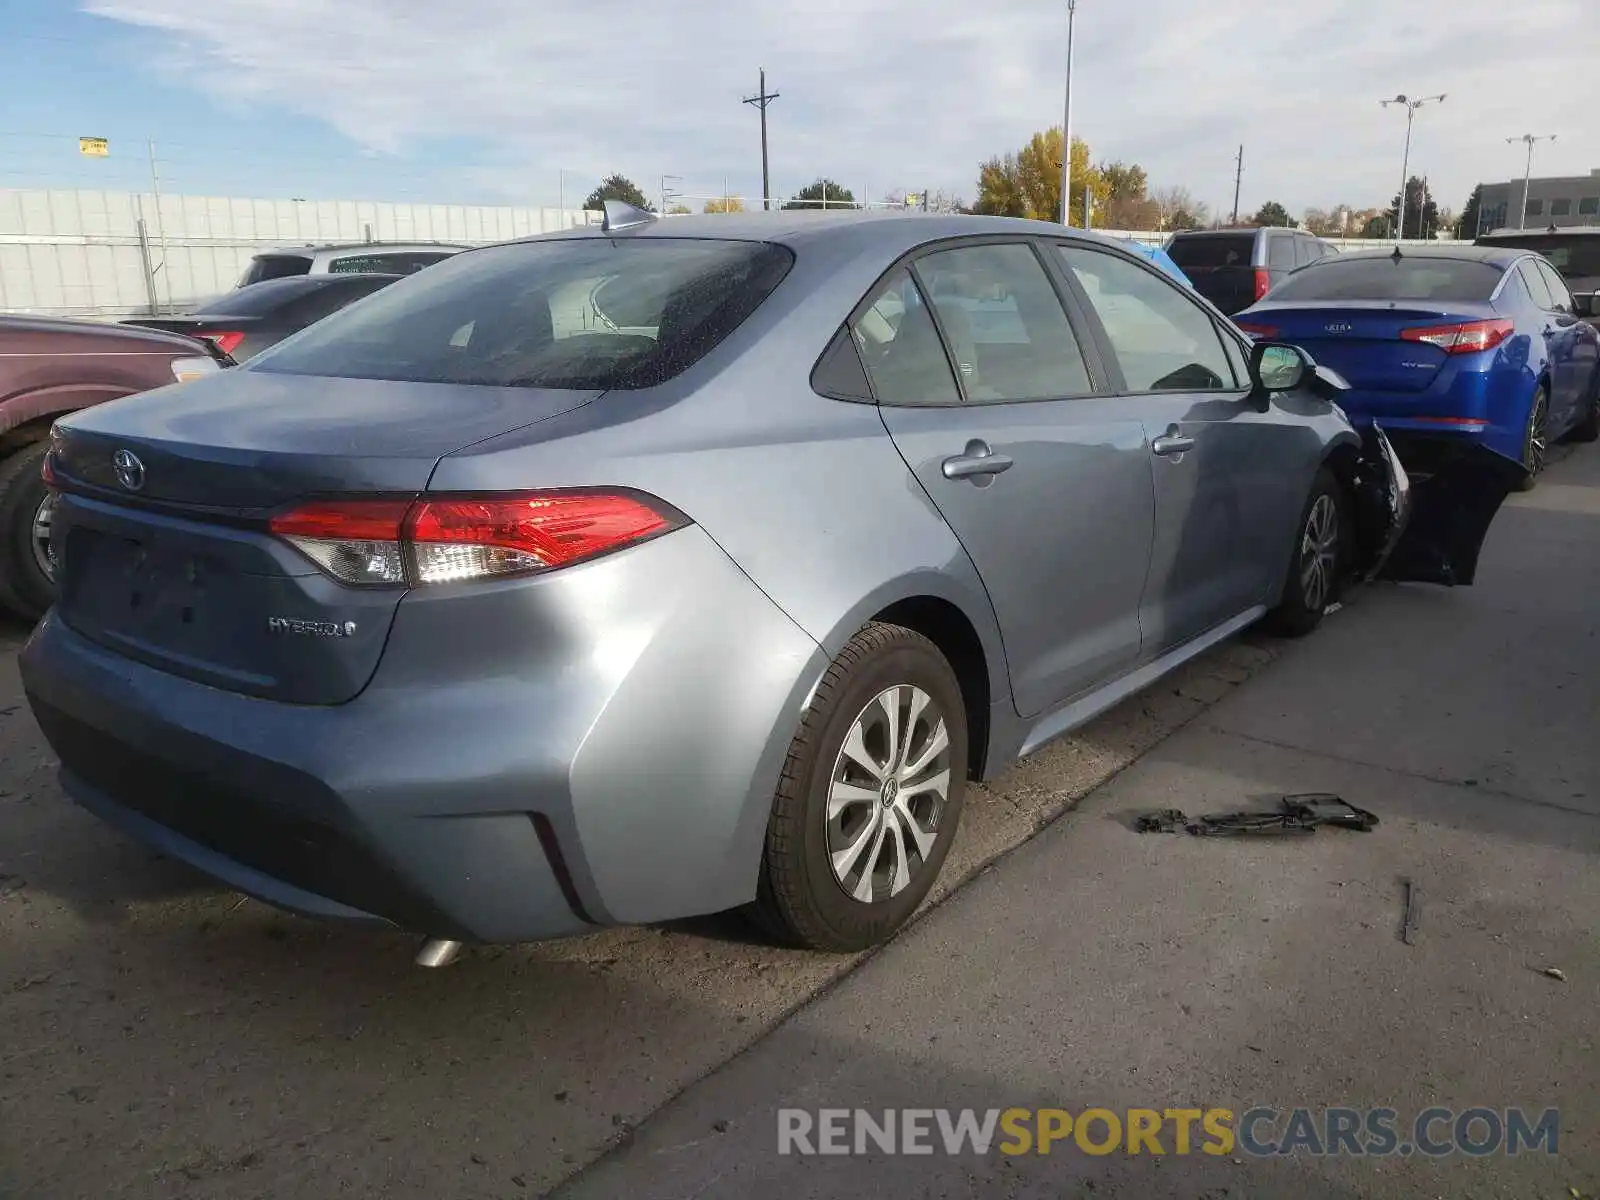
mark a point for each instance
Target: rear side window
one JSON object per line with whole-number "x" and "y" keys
{"x": 274, "y": 266}
{"x": 1280, "y": 252}
{"x": 528, "y": 315}
{"x": 1535, "y": 285}
{"x": 396, "y": 263}
{"x": 1004, "y": 324}
{"x": 900, "y": 347}
{"x": 1387, "y": 278}
{"x": 1212, "y": 250}
{"x": 1560, "y": 296}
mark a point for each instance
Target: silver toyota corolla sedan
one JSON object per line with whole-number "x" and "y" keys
{"x": 671, "y": 567}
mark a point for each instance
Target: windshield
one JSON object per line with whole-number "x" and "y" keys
{"x": 1390, "y": 278}
{"x": 589, "y": 313}
{"x": 1575, "y": 255}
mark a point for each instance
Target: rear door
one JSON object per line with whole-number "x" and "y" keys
{"x": 1219, "y": 265}
{"x": 1570, "y": 346}
{"x": 1043, "y": 477}
{"x": 1226, "y": 496}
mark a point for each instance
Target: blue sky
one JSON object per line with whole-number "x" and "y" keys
{"x": 489, "y": 101}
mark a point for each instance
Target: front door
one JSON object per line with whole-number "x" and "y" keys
{"x": 1225, "y": 512}
{"x": 1046, "y": 483}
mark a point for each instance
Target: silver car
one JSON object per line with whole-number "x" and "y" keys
{"x": 664, "y": 568}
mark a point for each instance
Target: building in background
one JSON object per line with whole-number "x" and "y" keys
{"x": 1563, "y": 201}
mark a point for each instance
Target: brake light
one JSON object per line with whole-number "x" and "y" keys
{"x": 1263, "y": 282}
{"x": 226, "y": 342}
{"x": 1258, "y": 329}
{"x": 1469, "y": 337}
{"x": 47, "y": 470}
{"x": 449, "y": 539}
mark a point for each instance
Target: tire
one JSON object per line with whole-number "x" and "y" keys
{"x": 1588, "y": 427}
{"x": 802, "y": 899}
{"x": 1536, "y": 440}
{"x": 1317, "y": 565}
{"x": 26, "y": 586}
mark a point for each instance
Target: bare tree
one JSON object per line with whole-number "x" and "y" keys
{"x": 1177, "y": 208}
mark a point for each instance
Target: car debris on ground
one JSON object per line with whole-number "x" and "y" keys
{"x": 1295, "y": 814}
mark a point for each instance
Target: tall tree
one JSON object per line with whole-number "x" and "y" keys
{"x": 618, "y": 187}
{"x": 1471, "y": 216}
{"x": 728, "y": 204}
{"x": 1027, "y": 183}
{"x": 1422, "y": 214}
{"x": 813, "y": 194}
{"x": 1176, "y": 208}
{"x": 1126, "y": 204}
{"x": 1273, "y": 213}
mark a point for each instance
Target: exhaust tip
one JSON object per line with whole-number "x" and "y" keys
{"x": 438, "y": 952}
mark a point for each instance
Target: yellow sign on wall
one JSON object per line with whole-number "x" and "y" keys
{"x": 94, "y": 147}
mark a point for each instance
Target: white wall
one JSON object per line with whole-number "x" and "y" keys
{"x": 77, "y": 253}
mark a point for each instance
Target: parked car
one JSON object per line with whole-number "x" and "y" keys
{"x": 1574, "y": 253}
{"x": 464, "y": 611}
{"x": 246, "y": 321}
{"x": 1447, "y": 345}
{"x": 346, "y": 258}
{"x": 1233, "y": 268}
{"x": 49, "y": 367}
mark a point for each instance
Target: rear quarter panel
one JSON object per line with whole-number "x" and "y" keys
{"x": 46, "y": 375}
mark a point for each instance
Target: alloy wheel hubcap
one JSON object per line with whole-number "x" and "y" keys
{"x": 44, "y": 555}
{"x": 887, "y": 793}
{"x": 1319, "y": 553}
{"x": 1537, "y": 437}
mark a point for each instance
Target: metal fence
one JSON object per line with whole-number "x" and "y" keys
{"x": 87, "y": 253}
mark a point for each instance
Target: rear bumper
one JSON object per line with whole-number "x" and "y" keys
{"x": 532, "y": 759}
{"x": 1462, "y": 408}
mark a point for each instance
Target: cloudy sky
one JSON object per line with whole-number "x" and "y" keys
{"x": 492, "y": 100}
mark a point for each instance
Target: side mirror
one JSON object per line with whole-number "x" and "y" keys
{"x": 1583, "y": 304}
{"x": 1275, "y": 367}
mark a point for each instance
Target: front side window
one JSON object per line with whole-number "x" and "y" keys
{"x": 526, "y": 315}
{"x": 1003, "y": 322}
{"x": 900, "y": 348}
{"x": 1163, "y": 340}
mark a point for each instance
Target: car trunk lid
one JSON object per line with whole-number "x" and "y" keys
{"x": 161, "y": 531}
{"x": 1362, "y": 340}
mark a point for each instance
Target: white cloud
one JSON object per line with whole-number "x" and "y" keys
{"x": 887, "y": 94}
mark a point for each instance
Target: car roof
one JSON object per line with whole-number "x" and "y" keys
{"x": 371, "y": 247}
{"x": 1494, "y": 256}
{"x": 893, "y": 232}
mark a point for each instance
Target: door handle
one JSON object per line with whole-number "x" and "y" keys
{"x": 976, "y": 462}
{"x": 1171, "y": 443}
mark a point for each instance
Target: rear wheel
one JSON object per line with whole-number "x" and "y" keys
{"x": 1536, "y": 442}
{"x": 870, "y": 795}
{"x": 27, "y": 565}
{"x": 1316, "y": 570}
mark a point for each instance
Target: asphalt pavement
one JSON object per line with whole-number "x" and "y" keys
{"x": 160, "y": 1037}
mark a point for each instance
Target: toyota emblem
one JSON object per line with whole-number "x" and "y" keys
{"x": 130, "y": 471}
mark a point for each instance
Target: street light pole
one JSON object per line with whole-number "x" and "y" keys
{"x": 1411, "y": 107}
{"x": 1527, "y": 174}
{"x": 1066, "y": 126}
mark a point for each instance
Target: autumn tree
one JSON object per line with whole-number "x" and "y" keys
{"x": 618, "y": 187}
{"x": 1317, "y": 221}
{"x": 1273, "y": 214}
{"x": 728, "y": 204}
{"x": 1125, "y": 203}
{"x": 813, "y": 195}
{"x": 1027, "y": 182}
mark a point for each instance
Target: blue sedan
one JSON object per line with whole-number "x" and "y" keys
{"x": 1447, "y": 347}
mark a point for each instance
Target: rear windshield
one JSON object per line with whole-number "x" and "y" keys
{"x": 1213, "y": 250}
{"x": 582, "y": 313}
{"x": 1388, "y": 278}
{"x": 398, "y": 262}
{"x": 274, "y": 266}
{"x": 257, "y": 299}
{"x": 1575, "y": 255}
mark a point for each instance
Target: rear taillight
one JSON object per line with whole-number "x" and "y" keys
{"x": 47, "y": 470}
{"x": 1258, "y": 329}
{"x": 225, "y": 342}
{"x": 1467, "y": 338}
{"x": 1263, "y": 282}
{"x": 449, "y": 539}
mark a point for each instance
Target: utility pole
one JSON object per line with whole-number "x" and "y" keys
{"x": 1527, "y": 174}
{"x": 1238, "y": 180}
{"x": 1411, "y": 107}
{"x": 161, "y": 224}
{"x": 1066, "y": 127}
{"x": 761, "y": 99}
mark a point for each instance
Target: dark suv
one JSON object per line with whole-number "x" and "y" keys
{"x": 1233, "y": 268}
